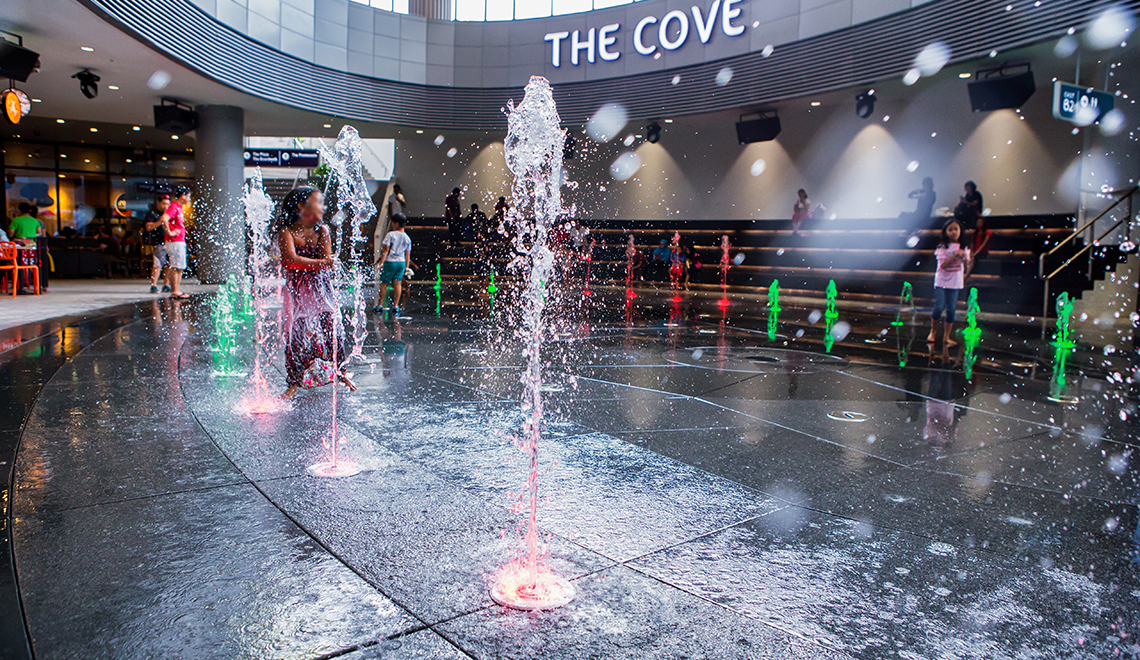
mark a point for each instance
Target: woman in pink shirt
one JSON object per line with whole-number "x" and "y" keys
{"x": 948, "y": 280}
{"x": 174, "y": 222}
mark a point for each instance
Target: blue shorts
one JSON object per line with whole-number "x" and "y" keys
{"x": 945, "y": 300}
{"x": 392, "y": 271}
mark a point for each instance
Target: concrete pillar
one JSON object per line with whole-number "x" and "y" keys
{"x": 219, "y": 171}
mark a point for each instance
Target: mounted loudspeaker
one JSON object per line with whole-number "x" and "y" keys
{"x": 17, "y": 62}
{"x": 765, "y": 127}
{"x": 997, "y": 89}
{"x": 175, "y": 117}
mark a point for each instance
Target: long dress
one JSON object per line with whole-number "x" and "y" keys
{"x": 315, "y": 341}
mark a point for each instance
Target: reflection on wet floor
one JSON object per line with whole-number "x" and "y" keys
{"x": 711, "y": 491}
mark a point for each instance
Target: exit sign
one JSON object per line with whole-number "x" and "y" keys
{"x": 1069, "y": 99}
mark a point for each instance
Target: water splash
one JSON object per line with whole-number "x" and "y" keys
{"x": 1063, "y": 345}
{"x": 773, "y": 307}
{"x": 258, "y": 214}
{"x": 972, "y": 334}
{"x": 533, "y": 150}
{"x": 830, "y": 316}
{"x": 491, "y": 288}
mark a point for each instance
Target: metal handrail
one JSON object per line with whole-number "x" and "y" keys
{"x": 1123, "y": 196}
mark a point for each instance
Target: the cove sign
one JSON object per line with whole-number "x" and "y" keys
{"x": 668, "y": 32}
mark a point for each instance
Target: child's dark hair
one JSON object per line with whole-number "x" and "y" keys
{"x": 399, "y": 220}
{"x": 290, "y": 209}
{"x": 944, "y": 240}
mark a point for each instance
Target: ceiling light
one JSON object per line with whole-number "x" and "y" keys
{"x": 164, "y": 157}
{"x": 86, "y": 160}
{"x": 59, "y": 121}
{"x": 94, "y": 130}
{"x": 87, "y": 49}
{"x": 61, "y": 176}
{"x": 130, "y": 161}
{"x": 815, "y": 104}
{"x": 114, "y": 87}
{"x": 173, "y": 137}
{"x": 136, "y": 128}
{"x": 653, "y": 133}
{"x": 37, "y": 101}
{"x": 328, "y": 125}
{"x": 963, "y": 75}
{"x": 61, "y": 156}
{"x": 668, "y": 121}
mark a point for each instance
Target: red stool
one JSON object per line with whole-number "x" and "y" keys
{"x": 14, "y": 259}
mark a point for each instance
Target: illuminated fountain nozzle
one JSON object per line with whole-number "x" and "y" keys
{"x": 518, "y": 590}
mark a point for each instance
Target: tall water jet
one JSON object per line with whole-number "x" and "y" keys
{"x": 438, "y": 290}
{"x": 830, "y": 315}
{"x": 906, "y": 302}
{"x": 258, "y": 214}
{"x": 1063, "y": 345}
{"x": 533, "y": 152}
{"x": 227, "y": 317}
{"x": 676, "y": 263}
{"x": 972, "y": 334}
{"x": 773, "y": 307}
{"x": 725, "y": 263}
{"x": 353, "y": 202}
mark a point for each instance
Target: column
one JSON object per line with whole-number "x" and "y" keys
{"x": 219, "y": 171}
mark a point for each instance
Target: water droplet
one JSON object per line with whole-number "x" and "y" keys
{"x": 911, "y": 77}
{"x": 676, "y": 79}
{"x": 912, "y": 166}
{"x": 158, "y": 80}
{"x": 607, "y": 122}
{"x": 451, "y": 152}
{"x": 767, "y": 50}
{"x": 815, "y": 316}
{"x": 758, "y": 167}
{"x": 438, "y": 140}
{"x": 1112, "y": 122}
{"x": 724, "y": 76}
{"x": 931, "y": 59}
{"x": 625, "y": 166}
{"x": 1109, "y": 28}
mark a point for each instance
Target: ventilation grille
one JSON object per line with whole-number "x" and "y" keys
{"x": 858, "y": 55}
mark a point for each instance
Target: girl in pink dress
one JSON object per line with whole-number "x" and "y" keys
{"x": 948, "y": 280}
{"x": 314, "y": 337}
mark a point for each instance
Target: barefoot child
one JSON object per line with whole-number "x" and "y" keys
{"x": 395, "y": 259}
{"x": 948, "y": 279}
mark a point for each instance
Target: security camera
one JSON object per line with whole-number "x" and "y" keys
{"x": 88, "y": 83}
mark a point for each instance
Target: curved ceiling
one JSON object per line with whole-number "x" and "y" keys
{"x": 862, "y": 54}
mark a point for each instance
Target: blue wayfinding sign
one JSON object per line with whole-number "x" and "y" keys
{"x": 1068, "y": 101}
{"x": 282, "y": 157}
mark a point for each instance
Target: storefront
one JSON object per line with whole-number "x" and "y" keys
{"x": 75, "y": 185}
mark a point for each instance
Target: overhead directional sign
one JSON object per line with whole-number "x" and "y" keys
{"x": 1080, "y": 105}
{"x": 282, "y": 157}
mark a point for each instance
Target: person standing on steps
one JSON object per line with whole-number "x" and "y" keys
{"x": 395, "y": 258}
{"x": 949, "y": 279}
{"x": 453, "y": 216}
{"x": 924, "y": 209}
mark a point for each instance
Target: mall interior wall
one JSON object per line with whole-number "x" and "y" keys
{"x": 1024, "y": 163}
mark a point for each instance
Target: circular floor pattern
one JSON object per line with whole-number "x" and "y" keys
{"x": 755, "y": 359}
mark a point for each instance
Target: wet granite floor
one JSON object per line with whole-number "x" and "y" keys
{"x": 711, "y": 493}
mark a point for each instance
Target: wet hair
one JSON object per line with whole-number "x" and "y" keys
{"x": 289, "y": 210}
{"x": 972, "y": 185}
{"x": 181, "y": 190}
{"x": 944, "y": 240}
{"x": 400, "y": 220}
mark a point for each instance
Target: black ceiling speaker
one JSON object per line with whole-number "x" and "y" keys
{"x": 174, "y": 117}
{"x": 653, "y": 133}
{"x": 17, "y": 62}
{"x": 1001, "y": 88}
{"x": 865, "y": 104}
{"x": 765, "y": 127}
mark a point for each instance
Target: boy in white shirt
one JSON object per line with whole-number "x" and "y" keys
{"x": 394, "y": 259}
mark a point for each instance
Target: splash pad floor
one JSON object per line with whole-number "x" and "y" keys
{"x": 707, "y": 493}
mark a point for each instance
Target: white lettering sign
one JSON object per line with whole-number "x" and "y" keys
{"x": 672, "y": 33}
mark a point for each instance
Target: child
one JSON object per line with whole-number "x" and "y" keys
{"x": 948, "y": 279}
{"x": 395, "y": 259}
